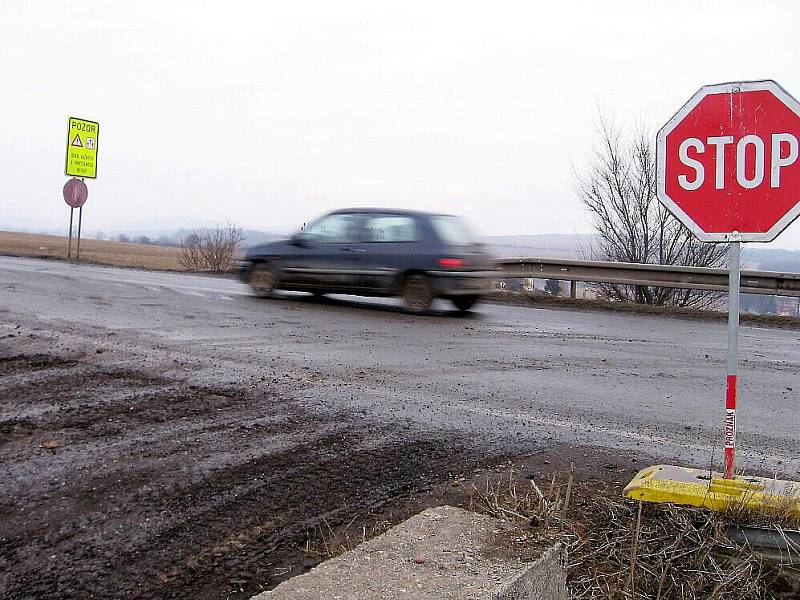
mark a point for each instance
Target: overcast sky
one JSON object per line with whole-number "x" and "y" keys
{"x": 269, "y": 113}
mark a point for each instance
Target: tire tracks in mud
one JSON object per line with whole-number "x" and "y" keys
{"x": 161, "y": 488}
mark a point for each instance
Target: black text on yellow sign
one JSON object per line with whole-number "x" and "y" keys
{"x": 82, "y": 142}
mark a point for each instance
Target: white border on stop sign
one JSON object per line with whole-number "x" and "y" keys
{"x": 661, "y": 157}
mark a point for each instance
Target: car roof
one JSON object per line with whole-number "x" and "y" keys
{"x": 391, "y": 211}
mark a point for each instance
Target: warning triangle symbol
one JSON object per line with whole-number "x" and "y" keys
{"x": 77, "y": 141}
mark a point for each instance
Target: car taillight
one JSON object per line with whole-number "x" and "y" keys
{"x": 451, "y": 263}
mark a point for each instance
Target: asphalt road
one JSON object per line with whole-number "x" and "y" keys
{"x": 202, "y": 432}
{"x": 505, "y": 376}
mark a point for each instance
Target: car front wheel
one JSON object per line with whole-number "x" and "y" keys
{"x": 262, "y": 280}
{"x": 418, "y": 294}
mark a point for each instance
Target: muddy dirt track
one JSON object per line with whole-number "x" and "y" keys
{"x": 164, "y": 435}
{"x": 161, "y": 490}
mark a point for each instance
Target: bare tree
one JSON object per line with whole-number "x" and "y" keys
{"x": 189, "y": 255}
{"x": 618, "y": 188}
{"x": 210, "y": 249}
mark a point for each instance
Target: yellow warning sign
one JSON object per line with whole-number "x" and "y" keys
{"x": 82, "y": 136}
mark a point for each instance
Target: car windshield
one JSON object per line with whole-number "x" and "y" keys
{"x": 453, "y": 231}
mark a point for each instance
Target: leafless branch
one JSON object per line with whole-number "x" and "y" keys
{"x": 618, "y": 189}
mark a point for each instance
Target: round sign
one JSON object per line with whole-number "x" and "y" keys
{"x": 75, "y": 193}
{"x": 728, "y": 165}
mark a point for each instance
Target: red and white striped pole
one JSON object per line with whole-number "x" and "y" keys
{"x": 734, "y": 255}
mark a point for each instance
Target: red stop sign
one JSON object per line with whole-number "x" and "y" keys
{"x": 729, "y": 161}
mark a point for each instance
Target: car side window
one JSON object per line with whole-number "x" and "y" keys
{"x": 391, "y": 228}
{"x": 334, "y": 229}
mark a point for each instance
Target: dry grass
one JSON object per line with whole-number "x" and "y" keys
{"x": 620, "y": 549}
{"x": 616, "y": 548}
{"x": 118, "y": 254}
{"x": 326, "y": 542}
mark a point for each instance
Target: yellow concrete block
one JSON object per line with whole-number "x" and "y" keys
{"x": 699, "y": 487}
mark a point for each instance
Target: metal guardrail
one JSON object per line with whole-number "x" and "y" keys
{"x": 696, "y": 278}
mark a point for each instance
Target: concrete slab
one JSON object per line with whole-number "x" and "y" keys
{"x": 442, "y": 552}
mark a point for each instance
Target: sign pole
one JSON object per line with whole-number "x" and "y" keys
{"x": 80, "y": 218}
{"x": 734, "y": 260}
{"x": 75, "y": 194}
{"x": 69, "y": 243}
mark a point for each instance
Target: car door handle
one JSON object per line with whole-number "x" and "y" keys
{"x": 354, "y": 249}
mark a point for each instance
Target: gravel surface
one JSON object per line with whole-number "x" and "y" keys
{"x": 168, "y": 435}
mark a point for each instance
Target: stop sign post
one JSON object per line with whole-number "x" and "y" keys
{"x": 75, "y": 194}
{"x": 728, "y": 169}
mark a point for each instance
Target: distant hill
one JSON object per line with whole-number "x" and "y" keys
{"x": 579, "y": 246}
{"x": 556, "y": 245}
{"x": 253, "y": 237}
{"x": 771, "y": 259}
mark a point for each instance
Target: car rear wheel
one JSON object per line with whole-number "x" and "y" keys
{"x": 464, "y": 303}
{"x": 418, "y": 294}
{"x": 262, "y": 280}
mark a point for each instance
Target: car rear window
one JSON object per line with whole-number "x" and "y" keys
{"x": 391, "y": 228}
{"x": 453, "y": 231}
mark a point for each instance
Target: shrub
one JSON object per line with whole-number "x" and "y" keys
{"x": 210, "y": 249}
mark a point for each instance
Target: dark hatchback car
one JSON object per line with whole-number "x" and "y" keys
{"x": 376, "y": 252}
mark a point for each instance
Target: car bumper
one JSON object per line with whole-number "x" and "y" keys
{"x": 242, "y": 270}
{"x": 462, "y": 283}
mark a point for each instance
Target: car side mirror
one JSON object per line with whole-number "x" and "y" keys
{"x": 298, "y": 239}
